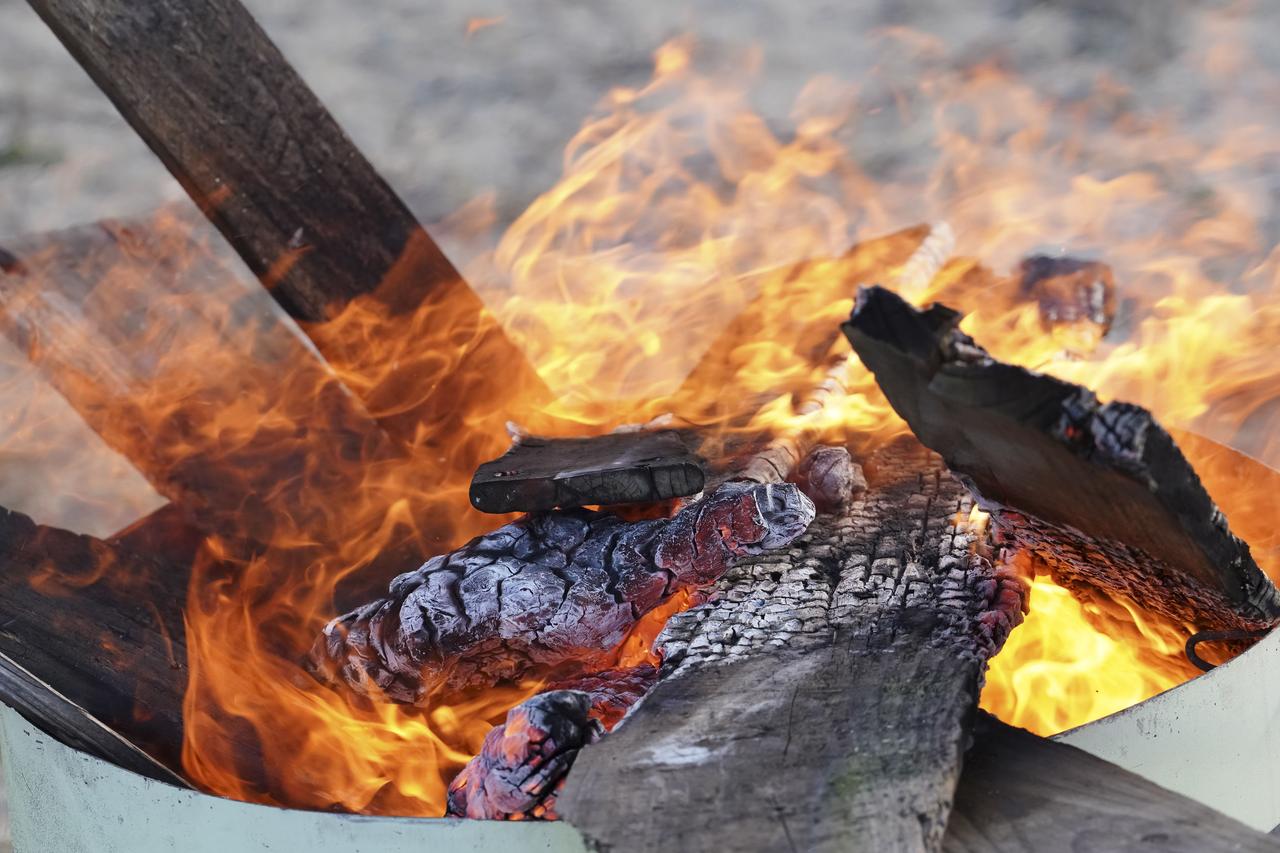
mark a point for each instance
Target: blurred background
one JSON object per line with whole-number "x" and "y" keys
{"x": 468, "y": 106}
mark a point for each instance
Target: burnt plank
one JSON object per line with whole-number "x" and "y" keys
{"x": 252, "y": 145}
{"x": 1099, "y": 492}
{"x": 92, "y": 644}
{"x": 821, "y": 699}
{"x": 1024, "y": 794}
{"x": 618, "y": 468}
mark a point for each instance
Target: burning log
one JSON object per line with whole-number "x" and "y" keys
{"x": 1023, "y": 794}
{"x": 523, "y": 763}
{"x": 821, "y": 699}
{"x": 622, "y": 467}
{"x": 1100, "y": 493}
{"x": 217, "y": 102}
{"x": 84, "y": 653}
{"x": 568, "y": 588}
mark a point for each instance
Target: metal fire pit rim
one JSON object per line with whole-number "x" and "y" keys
{"x": 65, "y": 800}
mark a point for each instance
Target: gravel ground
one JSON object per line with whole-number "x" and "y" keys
{"x": 447, "y": 115}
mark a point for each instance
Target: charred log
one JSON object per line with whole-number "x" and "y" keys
{"x": 830, "y": 478}
{"x": 821, "y": 699}
{"x": 547, "y": 591}
{"x": 1100, "y": 493}
{"x": 618, "y": 468}
{"x": 523, "y": 763}
{"x": 92, "y": 646}
{"x": 1023, "y": 794}
{"x": 1069, "y": 291}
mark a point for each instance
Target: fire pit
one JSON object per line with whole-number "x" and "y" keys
{"x": 643, "y": 552}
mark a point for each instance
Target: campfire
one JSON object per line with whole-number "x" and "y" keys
{"x": 709, "y": 508}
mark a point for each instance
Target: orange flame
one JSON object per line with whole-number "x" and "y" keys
{"x": 691, "y": 261}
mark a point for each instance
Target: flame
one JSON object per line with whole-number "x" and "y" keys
{"x": 693, "y": 261}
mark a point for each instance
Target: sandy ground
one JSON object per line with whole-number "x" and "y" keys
{"x": 447, "y": 115}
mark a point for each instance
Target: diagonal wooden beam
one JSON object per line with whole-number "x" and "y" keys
{"x": 258, "y": 152}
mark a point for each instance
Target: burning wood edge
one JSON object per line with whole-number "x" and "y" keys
{"x": 94, "y": 665}
{"x": 523, "y": 763}
{"x": 569, "y": 586}
{"x": 1099, "y": 493}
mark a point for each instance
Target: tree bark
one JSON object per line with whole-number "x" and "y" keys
{"x": 821, "y": 700}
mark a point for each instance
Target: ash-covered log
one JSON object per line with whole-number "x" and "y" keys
{"x": 550, "y": 590}
{"x": 1099, "y": 492}
{"x": 618, "y": 468}
{"x": 821, "y": 699}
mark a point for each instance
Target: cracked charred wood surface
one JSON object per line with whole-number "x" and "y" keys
{"x": 1100, "y": 493}
{"x": 1023, "y": 794}
{"x": 821, "y": 699}
{"x": 551, "y": 590}
{"x": 521, "y": 768}
{"x": 617, "y": 468}
{"x": 85, "y": 653}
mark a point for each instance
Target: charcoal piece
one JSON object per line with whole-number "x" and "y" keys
{"x": 523, "y": 762}
{"x": 830, "y": 478}
{"x": 550, "y": 590}
{"x": 612, "y": 691}
{"x": 1100, "y": 492}
{"x": 1070, "y": 291}
{"x": 619, "y": 468}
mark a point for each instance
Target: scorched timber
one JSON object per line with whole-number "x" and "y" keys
{"x": 822, "y": 699}
{"x": 618, "y": 468}
{"x": 1100, "y": 493}
{"x": 91, "y": 644}
{"x": 551, "y": 590}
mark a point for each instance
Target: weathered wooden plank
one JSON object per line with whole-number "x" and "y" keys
{"x": 618, "y": 468}
{"x": 1100, "y": 493}
{"x": 255, "y": 149}
{"x": 821, "y": 699}
{"x": 92, "y": 644}
{"x": 1023, "y": 794}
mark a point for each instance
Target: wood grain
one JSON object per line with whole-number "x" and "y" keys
{"x": 1023, "y": 794}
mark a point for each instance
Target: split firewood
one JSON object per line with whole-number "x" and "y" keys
{"x": 522, "y": 765}
{"x": 1099, "y": 493}
{"x": 549, "y": 590}
{"x": 1024, "y": 794}
{"x": 618, "y": 468}
{"x": 86, "y": 654}
{"x": 284, "y": 184}
{"x": 821, "y": 699}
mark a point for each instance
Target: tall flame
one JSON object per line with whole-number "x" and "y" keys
{"x": 692, "y": 261}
